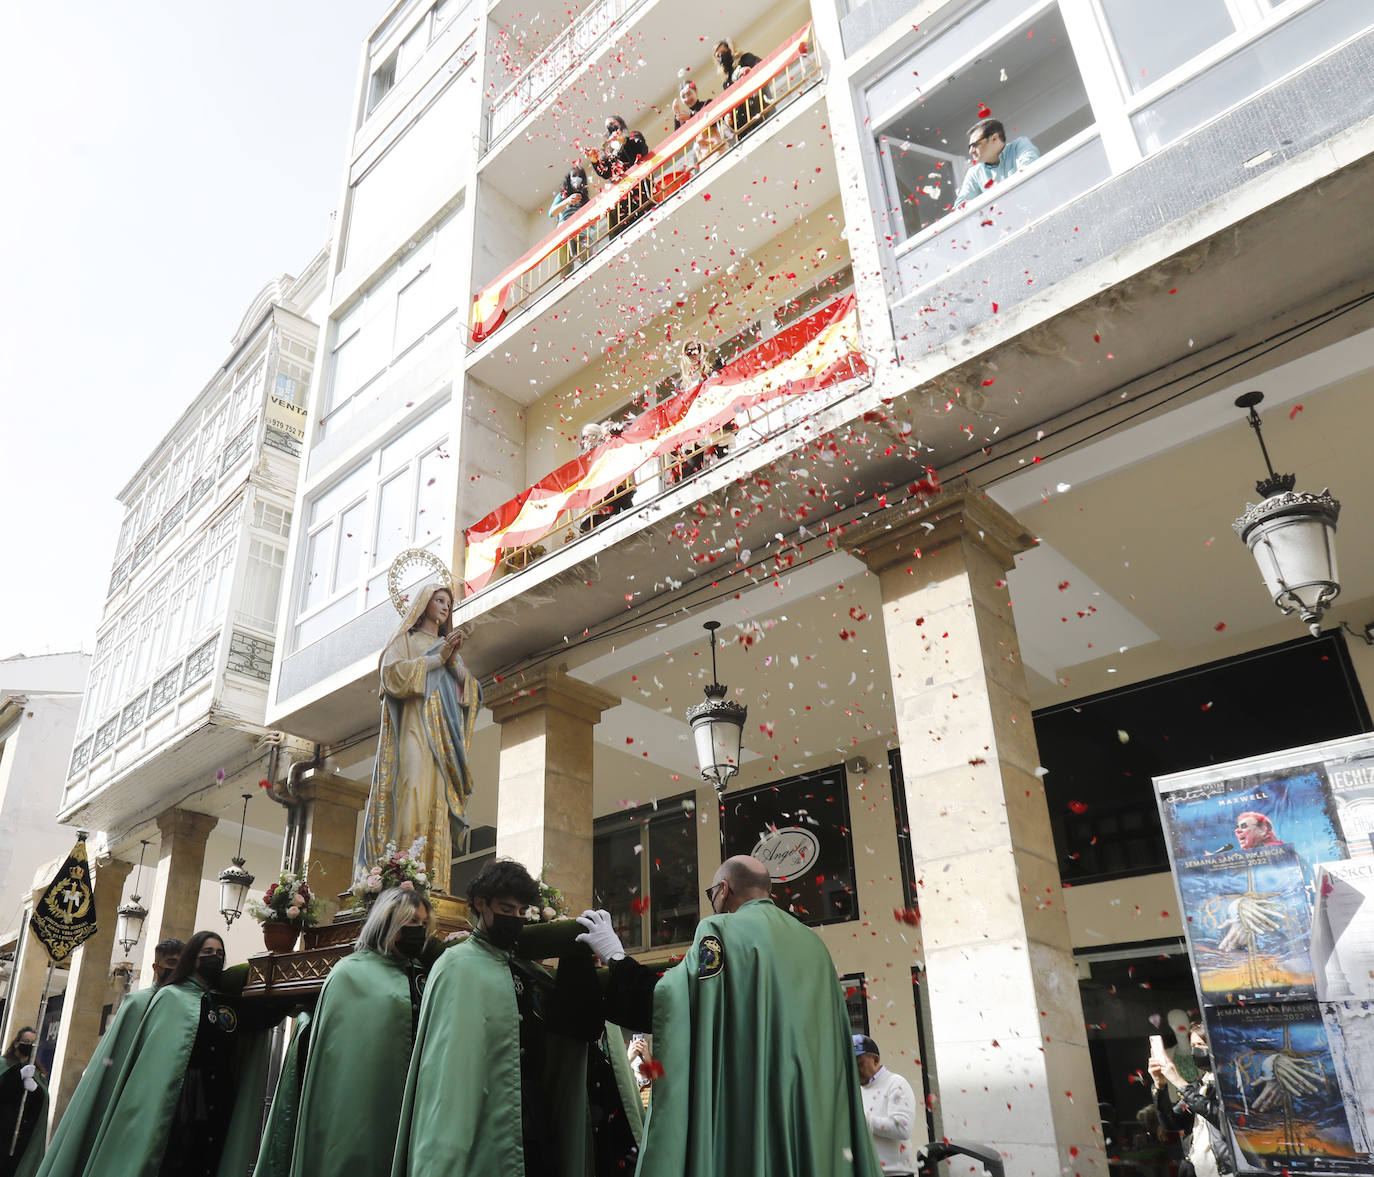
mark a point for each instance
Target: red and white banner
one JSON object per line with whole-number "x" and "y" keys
{"x": 815, "y": 352}
{"x": 489, "y": 305}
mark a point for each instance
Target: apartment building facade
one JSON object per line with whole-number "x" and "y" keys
{"x": 956, "y": 472}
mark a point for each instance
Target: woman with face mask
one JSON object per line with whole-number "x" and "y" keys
{"x": 358, "y": 1050}
{"x": 622, "y": 150}
{"x": 172, "y": 1108}
{"x": 23, "y": 1102}
{"x": 1196, "y": 1112}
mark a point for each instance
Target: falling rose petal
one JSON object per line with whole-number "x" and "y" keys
{"x": 1123, "y": 737}
{"x": 219, "y": 774}
{"x": 1294, "y": 411}
{"x": 655, "y": 1068}
{"x": 1219, "y": 626}
{"x": 984, "y": 112}
{"x": 1079, "y": 806}
{"x": 639, "y": 905}
{"x": 1207, "y": 706}
{"x": 1155, "y": 1020}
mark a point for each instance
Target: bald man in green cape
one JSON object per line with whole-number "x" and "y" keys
{"x": 754, "y": 1040}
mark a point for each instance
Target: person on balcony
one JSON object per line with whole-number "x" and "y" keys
{"x": 594, "y": 434}
{"x": 695, "y": 364}
{"x": 993, "y": 158}
{"x": 622, "y": 150}
{"x": 572, "y": 195}
{"x": 716, "y": 137}
{"x": 733, "y": 66}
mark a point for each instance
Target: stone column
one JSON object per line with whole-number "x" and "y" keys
{"x": 176, "y": 885}
{"x": 330, "y": 833}
{"x": 88, "y": 986}
{"x": 1009, "y": 1040}
{"x": 30, "y": 967}
{"x": 544, "y": 801}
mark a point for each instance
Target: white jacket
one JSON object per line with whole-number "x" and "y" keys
{"x": 890, "y": 1107}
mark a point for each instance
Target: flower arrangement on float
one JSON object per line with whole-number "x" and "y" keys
{"x": 394, "y": 868}
{"x": 287, "y": 906}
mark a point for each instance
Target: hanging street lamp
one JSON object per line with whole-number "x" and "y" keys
{"x": 130, "y": 918}
{"x": 234, "y": 881}
{"x": 717, "y": 726}
{"x": 1292, "y": 535}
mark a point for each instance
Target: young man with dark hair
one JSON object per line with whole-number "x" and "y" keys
{"x": 993, "y": 158}
{"x": 500, "y": 1045}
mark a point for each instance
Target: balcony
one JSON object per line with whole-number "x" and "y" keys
{"x": 687, "y": 154}
{"x": 757, "y": 396}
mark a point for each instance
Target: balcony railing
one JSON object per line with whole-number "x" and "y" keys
{"x": 574, "y": 45}
{"x": 670, "y": 442}
{"x": 778, "y": 80}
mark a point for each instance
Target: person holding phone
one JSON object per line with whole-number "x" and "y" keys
{"x": 1196, "y": 1112}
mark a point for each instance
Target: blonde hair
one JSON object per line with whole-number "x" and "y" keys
{"x": 391, "y": 911}
{"x": 693, "y": 370}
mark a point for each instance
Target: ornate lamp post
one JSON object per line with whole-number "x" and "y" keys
{"x": 717, "y": 726}
{"x": 129, "y": 919}
{"x": 1292, "y": 536}
{"x": 234, "y": 881}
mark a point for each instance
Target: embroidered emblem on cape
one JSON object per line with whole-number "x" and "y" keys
{"x": 710, "y": 958}
{"x": 226, "y": 1017}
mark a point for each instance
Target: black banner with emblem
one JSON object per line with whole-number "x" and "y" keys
{"x": 65, "y": 915}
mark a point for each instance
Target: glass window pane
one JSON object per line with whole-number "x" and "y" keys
{"x": 429, "y": 508}
{"x": 1279, "y": 52}
{"x": 419, "y": 436}
{"x": 674, "y": 907}
{"x": 393, "y": 518}
{"x": 616, "y": 879}
{"x": 344, "y": 491}
{"x": 414, "y": 315}
{"x": 318, "y": 549}
{"x": 351, "y": 525}
{"x": 1154, "y": 38}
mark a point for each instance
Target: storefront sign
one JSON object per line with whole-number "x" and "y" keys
{"x": 788, "y": 852}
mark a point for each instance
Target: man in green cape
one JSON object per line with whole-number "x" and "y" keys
{"x": 753, "y": 1040}
{"x": 359, "y": 1053}
{"x": 76, "y": 1130}
{"x": 498, "y": 1077}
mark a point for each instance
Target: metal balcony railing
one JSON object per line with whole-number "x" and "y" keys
{"x": 574, "y": 45}
{"x": 776, "y": 82}
{"x": 752, "y": 398}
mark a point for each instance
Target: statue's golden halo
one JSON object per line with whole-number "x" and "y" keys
{"x": 397, "y": 576}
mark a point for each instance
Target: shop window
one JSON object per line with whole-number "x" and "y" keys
{"x": 1101, "y": 753}
{"x": 1017, "y": 67}
{"x": 800, "y": 829}
{"x": 644, "y": 872}
{"x": 855, "y": 990}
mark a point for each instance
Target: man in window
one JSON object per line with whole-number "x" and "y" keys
{"x": 993, "y": 158}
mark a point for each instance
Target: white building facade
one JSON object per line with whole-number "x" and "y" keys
{"x": 1038, "y": 411}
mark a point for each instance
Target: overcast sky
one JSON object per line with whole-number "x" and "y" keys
{"x": 167, "y": 159}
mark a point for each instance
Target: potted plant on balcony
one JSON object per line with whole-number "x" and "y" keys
{"x": 286, "y": 907}
{"x": 395, "y": 868}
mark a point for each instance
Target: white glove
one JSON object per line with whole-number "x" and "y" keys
{"x": 26, "y": 1074}
{"x": 600, "y": 937}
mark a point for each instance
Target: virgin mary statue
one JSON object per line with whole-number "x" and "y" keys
{"x": 429, "y": 706}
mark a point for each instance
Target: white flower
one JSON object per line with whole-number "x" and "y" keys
{"x": 548, "y": 913}
{"x": 422, "y": 879}
{"x": 293, "y": 912}
{"x": 373, "y": 883}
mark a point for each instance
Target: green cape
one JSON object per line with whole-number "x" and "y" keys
{"x": 76, "y": 1131}
{"x": 758, "y": 1060}
{"x": 355, "y": 1076}
{"x": 133, "y": 1132}
{"x": 461, "y": 1112}
{"x": 31, "y": 1157}
{"x": 279, "y": 1134}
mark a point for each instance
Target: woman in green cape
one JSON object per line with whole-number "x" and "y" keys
{"x": 23, "y": 1103}
{"x": 360, "y": 1042}
{"x": 171, "y": 1110}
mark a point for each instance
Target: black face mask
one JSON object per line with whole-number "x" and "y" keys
{"x": 411, "y": 940}
{"x": 1202, "y": 1059}
{"x": 209, "y": 968}
{"x": 504, "y": 930}
{"x": 24, "y": 1049}
{"x": 727, "y": 61}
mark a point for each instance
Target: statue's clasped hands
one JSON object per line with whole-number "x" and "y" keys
{"x": 452, "y": 644}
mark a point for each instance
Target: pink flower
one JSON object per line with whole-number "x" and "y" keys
{"x": 407, "y": 886}
{"x": 292, "y": 912}
{"x": 297, "y": 900}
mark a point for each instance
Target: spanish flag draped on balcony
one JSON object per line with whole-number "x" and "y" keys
{"x": 489, "y": 305}
{"x": 816, "y": 352}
